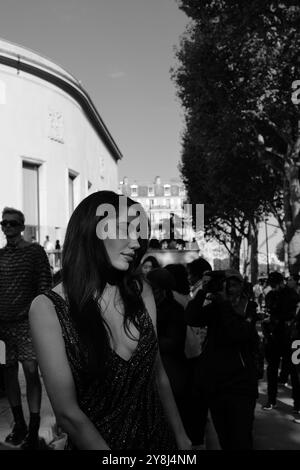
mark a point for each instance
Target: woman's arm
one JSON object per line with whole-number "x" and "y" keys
{"x": 50, "y": 349}
{"x": 163, "y": 383}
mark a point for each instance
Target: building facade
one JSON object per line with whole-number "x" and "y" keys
{"x": 166, "y": 205}
{"x": 55, "y": 148}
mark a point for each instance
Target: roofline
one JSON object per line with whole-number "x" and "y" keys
{"x": 71, "y": 87}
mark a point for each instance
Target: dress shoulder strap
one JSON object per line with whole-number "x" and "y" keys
{"x": 75, "y": 350}
{"x": 68, "y": 327}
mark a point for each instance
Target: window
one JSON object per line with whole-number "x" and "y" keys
{"x": 31, "y": 200}
{"x": 182, "y": 191}
{"x": 134, "y": 190}
{"x": 167, "y": 189}
{"x": 71, "y": 193}
{"x": 89, "y": 187}
{"x": 150, "y": 191}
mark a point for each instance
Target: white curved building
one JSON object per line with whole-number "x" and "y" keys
{"x": 54, "y": 147}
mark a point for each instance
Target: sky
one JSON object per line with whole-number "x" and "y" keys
{"x": 122, "y": 52}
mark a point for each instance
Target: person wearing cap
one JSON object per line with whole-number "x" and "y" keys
{"x": 281, "y": 303}
{"x": 182, "y": 289}
{"x": 171, "y": 330}
{"x": 226, "y": 372}
{"x": 197, "y": 410}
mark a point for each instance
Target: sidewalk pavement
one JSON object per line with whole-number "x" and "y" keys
{"x": 273, "y": 430}
{"x": 47, "y": 415}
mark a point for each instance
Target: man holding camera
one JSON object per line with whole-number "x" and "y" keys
{"x": 226, "y": 373}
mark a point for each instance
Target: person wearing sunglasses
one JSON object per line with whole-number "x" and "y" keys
{"x": 24, "y": 273}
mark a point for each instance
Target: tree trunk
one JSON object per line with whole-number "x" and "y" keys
{"x": 236, "y": 241}
{"x": 254, "y": 251}
{"x": 246, "y": 260}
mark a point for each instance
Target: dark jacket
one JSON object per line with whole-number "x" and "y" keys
{"x": 227, "y": 364}
{"x": 171, "y": 331}
{"x": 281, "y": 306}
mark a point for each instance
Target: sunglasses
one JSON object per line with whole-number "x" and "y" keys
{"x": 11, "y": 223}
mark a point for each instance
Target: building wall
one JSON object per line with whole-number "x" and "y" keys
{"x": 42, "y": 124}
{"x": 160, "y": 200}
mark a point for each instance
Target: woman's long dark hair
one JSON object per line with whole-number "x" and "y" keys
{"x": 86, "y": 269}
{"x": 152, "y": 260}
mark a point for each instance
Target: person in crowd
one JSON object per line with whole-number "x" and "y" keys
{"x": 197, "y": 411}
{"x": 58, "y": 254}
{"x": 172, "y": 245}
{"x": 288, "y": 369}
{"x": 259, "y": 293}
{"x": 171, "y": 331}
{"x": 295, "y": 337}
{"x": 266, "y": 287}
{"x": 182, "y": 288}
{"x": 180, "y": 245}
{"x": 49, "y": 248}
{"x": 149, "y": 263}
{"x": 164, "y": 244}
{"x": 48, "y": 245}
{"x": 57, "y": 245}
{"x": 226, "y": 371}
{"x": 248, "y": 288}
{"x": 25, "y": 273}
{"x": 154, "y": 244}
{"x": 281, "y": 304}
{"x": 95, "y": 336}
{"x": 194, "y": 244}
{"x": 285, "y": 365}
{"x": 196, "y": 269}
{"x": 293, "y": 283}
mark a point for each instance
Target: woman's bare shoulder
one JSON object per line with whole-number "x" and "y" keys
{"x": 42, "y": 309}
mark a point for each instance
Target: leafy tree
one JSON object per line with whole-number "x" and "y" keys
{"x": 237, "y": 63}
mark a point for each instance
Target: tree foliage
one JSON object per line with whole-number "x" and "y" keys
{"x": 237, "y": 62}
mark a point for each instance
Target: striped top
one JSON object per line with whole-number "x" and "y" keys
{"x": 24, "y": 274}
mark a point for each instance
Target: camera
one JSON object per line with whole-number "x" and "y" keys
{"x": 215, "y": 283}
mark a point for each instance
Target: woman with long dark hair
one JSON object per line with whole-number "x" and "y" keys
{"x": 95, "y": 336}
{"x": 149, "y": 263}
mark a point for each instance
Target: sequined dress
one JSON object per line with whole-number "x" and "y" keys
{"x": 123, "y": 404}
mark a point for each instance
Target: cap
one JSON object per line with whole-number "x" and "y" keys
{"x": 233, "y": 274}
{"x": 275, "y": 278}
{"x": 162, "y": 278}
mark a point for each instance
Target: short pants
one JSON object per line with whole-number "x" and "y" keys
{"x": 18, "y": 342}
